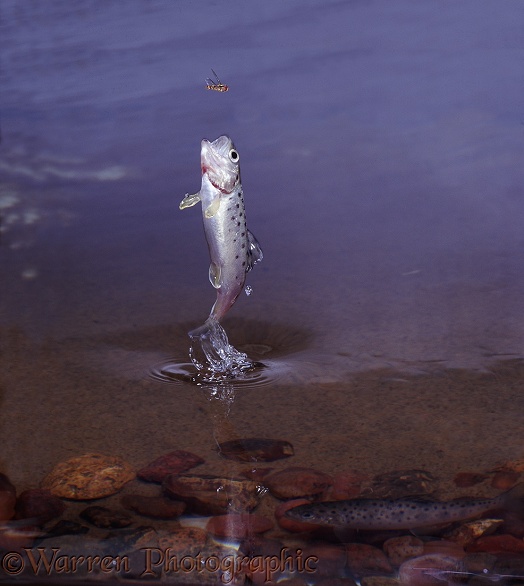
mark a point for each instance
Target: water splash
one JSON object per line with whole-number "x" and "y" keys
{"x": 215, "y": 359}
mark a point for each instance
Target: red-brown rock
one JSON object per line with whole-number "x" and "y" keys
{"x": 504, "y": 480}
{"x": 293, "y": 483}
{"x": 468, "y": 479}
{"x": 7, "y": 498}
{"x": 346, "y": 485}
{"x": 40, "y": 505}
{"x": 157, "y": 507}
{"x": 213, "y": 495}
{"x": 497, "y": 544}
{"x": 172, "y": 463}
{"x": 365, "y": 560}
{"x": 238, "y": 526}
{"x": 399, "y": 549}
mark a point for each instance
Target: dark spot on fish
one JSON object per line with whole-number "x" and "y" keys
{"x": 244, "y": 264}
{"x": 240, "y": 214}
{"x": 233, "y": 217}
{"x": 243, "y": 234}
{"x": 236, "y": 256}
{"x": 238, "y": 205}
{"x": 239, "y": 194}
{"x": 238, "y": 223}
{"x": 243, "y": 245}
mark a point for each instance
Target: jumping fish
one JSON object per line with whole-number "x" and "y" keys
{"x": 409, "y": 513}
{"x": 232, "y": 247}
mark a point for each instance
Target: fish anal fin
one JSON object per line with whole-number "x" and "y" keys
{"x": 189, "y": 200}
{"x": 214, "y": 275}
{"x": 254, "y": 253}
{"x": 212, "y": 209}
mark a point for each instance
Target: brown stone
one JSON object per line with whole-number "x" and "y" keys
{"x": 293, "y": 483}
{"x": 366, "y": 560}
{"x": 212, "y": 495}
{"x": 87, "y": 477}
{"x": 238, "y": 526}
{"x": 346, "y": 485}
{"x": 497, "y": 544}
{"x": 468, "y": 532}
{"x": 505, "y": 480}
{"x": 172, "y": 463}
{"x": 379, "y": 581}
{"x": 255, "y": 449}
{"x": 106, "y": 518}
{"x": 399, "y": 549}
{"x": 39, "y": 504}
{"x": 7, "y": 498}
{"x": 157, "y": 507}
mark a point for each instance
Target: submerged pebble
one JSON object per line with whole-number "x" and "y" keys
{"x": 213, "y": 495}
{"x": 365, "y": 560}
{"x": 87, "y": 477}
{"x": 106, "y": 518}
{"x": 504, "y": 480}
{"x": 468, "y": 532}
{"x": 497, "y": 544}
{"x": 256, "y": 450}
{"x": 346, "y": 485}
{"x": 157, "y": 507}
{"x": 399, "y": 549}
{"x": 293, "y": 483}
{"x": 172, "y": 463}
{"x": 39, "y": 504}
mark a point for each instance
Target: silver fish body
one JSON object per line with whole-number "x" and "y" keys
{"x": 384, "y": 514}
{"x": 232, "y": 248}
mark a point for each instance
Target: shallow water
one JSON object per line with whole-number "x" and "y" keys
{"x": 381, "y": 150}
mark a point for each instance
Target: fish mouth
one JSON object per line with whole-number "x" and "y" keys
{"x": 221, "y": 172}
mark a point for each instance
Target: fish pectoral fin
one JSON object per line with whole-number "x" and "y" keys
{"x": 212, "y": 209}
{"x": 189, "y": 200}
{"x": 214, "y": 275}
{"x": 254, "y": 252}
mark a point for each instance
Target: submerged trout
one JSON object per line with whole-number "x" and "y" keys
{"x": 386, "y": 514}
{"x": 232, "y": 248}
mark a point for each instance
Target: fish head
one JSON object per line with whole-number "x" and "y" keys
{"x": 313, "y": 514}
{"x": 220, "y": 162}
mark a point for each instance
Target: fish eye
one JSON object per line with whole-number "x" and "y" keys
{"x": 233, "y": 155}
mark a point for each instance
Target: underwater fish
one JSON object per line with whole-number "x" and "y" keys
{"x": 409, "y": 513}
{"x": 232, "y": 248}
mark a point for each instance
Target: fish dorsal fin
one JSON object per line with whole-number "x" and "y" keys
{"x": 212, "y": 209}
{"x": 189, "y": 200}
{"x": 214, "y": 275}
{"x": 254, "y": 252}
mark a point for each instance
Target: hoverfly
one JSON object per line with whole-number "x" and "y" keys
{"x": 216, "y": 84}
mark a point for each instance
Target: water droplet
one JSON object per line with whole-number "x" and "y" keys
{"x": 248, "y": 290}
